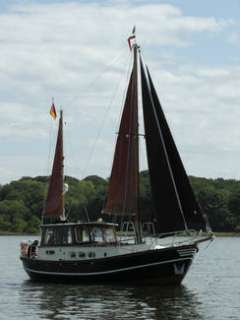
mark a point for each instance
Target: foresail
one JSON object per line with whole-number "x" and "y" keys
{"x": 122, "y": 196}
{"x": 54, "y": 206}
{"x": 175, "y": 205}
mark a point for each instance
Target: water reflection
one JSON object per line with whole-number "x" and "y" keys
{"x": 58, "y": 301}
{"x": 170, "y": 302}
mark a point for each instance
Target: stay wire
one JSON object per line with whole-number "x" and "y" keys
{"x": 97, "y": 78}
{"x": 125, "y": 79}
{"x": 100, "y": 129}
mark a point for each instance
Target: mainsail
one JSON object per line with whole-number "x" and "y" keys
{"x": 54, "y": 206}
{"x": 175, "y": 205}
{"x": 122, "y": 196}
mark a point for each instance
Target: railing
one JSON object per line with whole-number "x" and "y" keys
{"x": 169, "y": 239}
{"x": 180, "y": 238}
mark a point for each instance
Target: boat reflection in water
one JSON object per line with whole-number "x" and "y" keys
{"x": 57, "y": 301}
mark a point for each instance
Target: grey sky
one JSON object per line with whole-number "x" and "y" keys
{"x": 77, "y": 52}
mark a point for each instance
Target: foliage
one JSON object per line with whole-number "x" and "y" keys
{"x": 21, "y": 202}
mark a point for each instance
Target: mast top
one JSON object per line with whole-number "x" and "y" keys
{"x": 132, "y": 39}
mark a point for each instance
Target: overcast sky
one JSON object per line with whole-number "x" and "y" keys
{"x": 77, "y": 53}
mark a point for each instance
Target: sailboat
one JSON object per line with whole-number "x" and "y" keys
{"x": 125, "y": 245}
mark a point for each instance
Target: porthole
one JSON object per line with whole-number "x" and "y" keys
{"x": 81, "y": 254}
{"x": 50, "y": 252}
{"x": 91, "y": 254}
{"x": 73, "y": 254}
{"x": 105, "y": 254}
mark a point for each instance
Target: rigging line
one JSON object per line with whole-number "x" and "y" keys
{"x": 50, "y": 147}
{"x": 125, "y": 91}
{"x": 48, "y": 164}
{"x": 123, "y": 99}
{"x": 165, "y": 152}
{"x": 99, "y": 75}
{"x": 114, "y": 217}
{"x": 122, "y": 107}
{"x": 120, "y": 115}
{"x": 100, "y": 128}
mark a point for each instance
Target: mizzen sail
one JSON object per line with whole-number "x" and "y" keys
{"x": 54, "y": 206}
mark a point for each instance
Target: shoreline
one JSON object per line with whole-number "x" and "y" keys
{"x": 8, "y": 233}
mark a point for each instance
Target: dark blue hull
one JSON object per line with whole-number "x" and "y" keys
{"x": 160, "y": 266}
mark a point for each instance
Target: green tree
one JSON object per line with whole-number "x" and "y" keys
{"x": 13, "y": 215}
{"x": 234, "y": 208}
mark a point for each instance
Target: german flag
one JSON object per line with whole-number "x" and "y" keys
{"x": 53, "y": 112}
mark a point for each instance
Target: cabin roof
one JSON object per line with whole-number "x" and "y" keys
{"x": 96, "y": 223}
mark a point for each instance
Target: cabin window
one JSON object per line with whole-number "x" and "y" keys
{"x": 109, "y": 235}
{"x": 57, "y": 236}
{"x": 148, "y": 228}
{"x": 65, "y": 236}
{"x": 97, "y": 235}
{"x": 50, "y": 252}
{"x": 81, "y": 234}
{"x": 128, "y": 226}
{"x": 81, "y": 254}
{"x": 91, "y": 255}
{"x": 73, "y": 254}
{"x": 49, "y": 238}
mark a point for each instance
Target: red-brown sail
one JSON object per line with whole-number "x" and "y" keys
{"x": 54, "y": 206}
{"x": 122, "y": 197}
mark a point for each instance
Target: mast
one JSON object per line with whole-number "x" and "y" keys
{"x": 123, "y": 190}
{"x": 54, "y": 205}
{"x": 135, "y": 70}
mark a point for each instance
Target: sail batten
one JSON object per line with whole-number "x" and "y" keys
{"x": 54, "y": 205}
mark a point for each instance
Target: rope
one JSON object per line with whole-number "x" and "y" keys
{"x": 103, "y": 119}
{"x": 100, "y": 129}
{"x": 98, "y": 76}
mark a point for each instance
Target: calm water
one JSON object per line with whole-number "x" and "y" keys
{"x": 211, "y": 290}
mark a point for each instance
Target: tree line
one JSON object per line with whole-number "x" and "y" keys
{"x": 21, "y": 201}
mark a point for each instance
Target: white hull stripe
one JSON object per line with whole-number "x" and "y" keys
{"x": 186, "y": 253}
{"x": 104, "y": 272}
